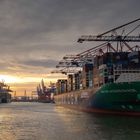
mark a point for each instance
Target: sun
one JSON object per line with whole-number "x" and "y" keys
{"x": 8, "y": 78}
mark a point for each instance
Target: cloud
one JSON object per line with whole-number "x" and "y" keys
{"x": 35, "y": 34}
{"x": 40, "y": 63}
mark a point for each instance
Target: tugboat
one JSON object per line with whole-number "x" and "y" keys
{"x": 108, "y": 78}
{"x": 5, "y": 96}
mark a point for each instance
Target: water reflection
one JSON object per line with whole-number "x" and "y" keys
{"x": 36, "y": 121}
{"x": 119, "y": 127}
{"x": 103, "y": 127}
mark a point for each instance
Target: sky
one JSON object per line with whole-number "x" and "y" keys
{"x": 36, "y": 34}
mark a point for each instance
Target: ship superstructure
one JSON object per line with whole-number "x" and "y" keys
{"x": 5, "y": 96}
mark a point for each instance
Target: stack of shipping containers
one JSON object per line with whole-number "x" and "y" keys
{"x": 134, "y": 59}
{"x": 96, "y": 71}
{"x": 105, "y": 64}
{"x": 77, "y": 81}
{"x": 70, "y": 82}
{"x": 87, "y": 75}
{"x": 100, "y": 72}
{"x": 61, "y": 86}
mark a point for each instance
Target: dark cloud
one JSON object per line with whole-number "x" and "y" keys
{"x": 40, "y": 63}
{"x": 37, "y": 33}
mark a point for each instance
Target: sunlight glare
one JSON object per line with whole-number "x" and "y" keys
{"x": 8, "y": 78}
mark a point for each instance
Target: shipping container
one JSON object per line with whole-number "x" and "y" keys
{"x": 88, "y": 75}
{"x": 134, "y": 59}
{"x": 61, "y": 86}
{"x": 70, "y": 82}
{"x": 78, "y": 80}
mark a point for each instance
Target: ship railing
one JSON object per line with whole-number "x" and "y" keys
{"x": 126, "y": 75}
{"x": 119, "y": 71}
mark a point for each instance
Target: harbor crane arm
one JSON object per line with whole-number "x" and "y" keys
{"x": 116, "y": 28}
{"x": 109, "y": 38}
{"x": 102, "y": 37}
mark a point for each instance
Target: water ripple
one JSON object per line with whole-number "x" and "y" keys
{"x": 38, "y": 121}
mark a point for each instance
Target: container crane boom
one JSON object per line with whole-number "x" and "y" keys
{"x": 109, "y": 38}
{"x": 120, "y": 38}
{"x": 119, "y": 27}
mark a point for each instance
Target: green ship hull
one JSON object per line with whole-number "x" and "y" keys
{"x": 117, "y": 96}
{"x": 112, "y": 98}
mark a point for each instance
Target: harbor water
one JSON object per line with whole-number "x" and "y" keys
{"x": 40, "y": 121}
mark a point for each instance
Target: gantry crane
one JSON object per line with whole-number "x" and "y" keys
{"x": 71, "y": 63}
{"x": 101, "y": 37}
{"x": 120, "y": 39}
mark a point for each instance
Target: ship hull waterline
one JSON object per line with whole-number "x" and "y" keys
{"x": 112, "y": 98}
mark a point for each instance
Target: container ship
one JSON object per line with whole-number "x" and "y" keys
{"x": 106, "y": 78}
{"x": 5, "y": 96}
